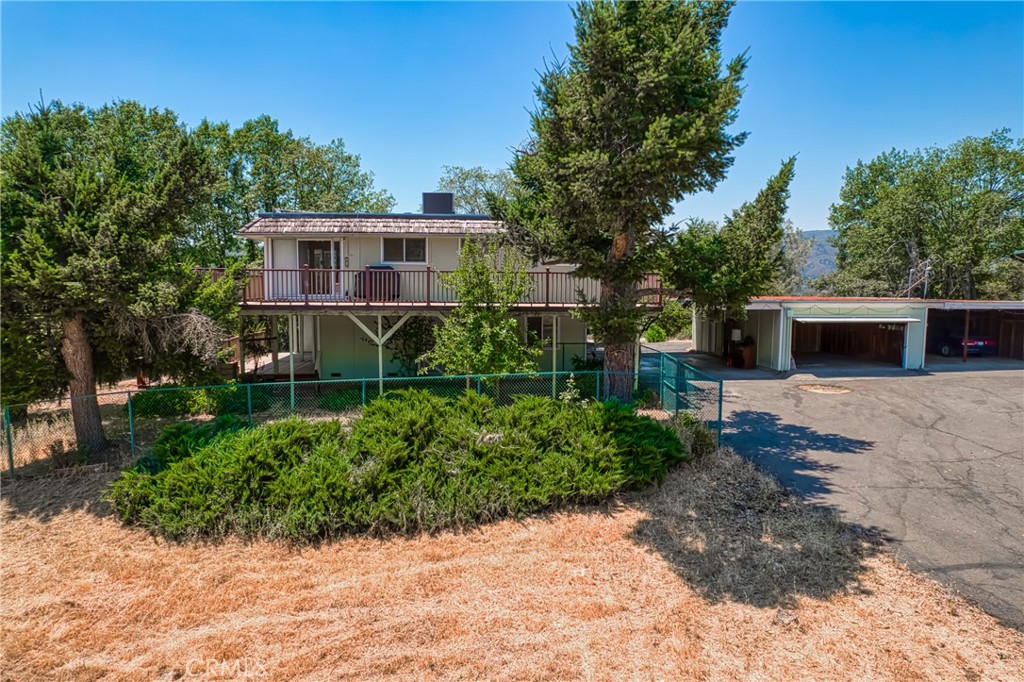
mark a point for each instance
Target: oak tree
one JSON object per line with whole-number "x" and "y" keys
{"x": 953, "y": 214}
{"x": 475, "y": 189}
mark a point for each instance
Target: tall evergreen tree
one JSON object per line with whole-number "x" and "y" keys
{"x": 632, "y": 121}
{"x": 720, "y": 267}
{"x": 94, "y": 202}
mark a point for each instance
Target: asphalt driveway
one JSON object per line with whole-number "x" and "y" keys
{"x": 933, "y": 462}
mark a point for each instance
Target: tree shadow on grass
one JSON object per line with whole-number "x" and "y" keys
{"x": 734, "y": 533}
{"x": 45, "y": 498}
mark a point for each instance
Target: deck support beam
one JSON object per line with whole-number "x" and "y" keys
{"x": 398, "y": 325}
{"x": 636, "y": 364}
{"x": 379, "y": 338}
{"x": 554, "y": 356}
{"x": 275, "y": 346}
{"x": 358, "y": 323}
{"x": 380, "y": 359}
{"x": 241, "y": 349}
{"x": 292, "y": 329}
{"x": 315, "y": 333}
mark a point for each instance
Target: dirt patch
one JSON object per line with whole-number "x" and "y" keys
{"x": 824, "y": 389}
{"x": 699, "y": 580}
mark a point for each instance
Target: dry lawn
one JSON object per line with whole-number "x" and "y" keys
{"x": 716, "y": 576}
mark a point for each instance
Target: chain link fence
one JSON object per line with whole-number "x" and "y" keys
{"x": 40, "y": 438}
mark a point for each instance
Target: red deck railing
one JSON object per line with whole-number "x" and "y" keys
{"x": 424, "y": 288}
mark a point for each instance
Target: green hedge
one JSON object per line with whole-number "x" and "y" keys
{"x": 179, "y": 401}
{"x": 413, "y": 462}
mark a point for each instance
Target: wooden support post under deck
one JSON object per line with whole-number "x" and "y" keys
{"x": 292, "y": 327}
{"x": 241, "y": 350}
{"x": 554, "y": 356}
{"x": 316, "y": 344}
{"x": 636, "y": 364}
{"x": 274, "y": 344}
{"x": 380, "y": 357}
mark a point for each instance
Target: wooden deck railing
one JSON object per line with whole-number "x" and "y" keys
{"x": 421, "y": 288}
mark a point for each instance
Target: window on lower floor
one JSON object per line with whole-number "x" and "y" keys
{"x": 404, "y": 250}
{"x": 538, "y": 328}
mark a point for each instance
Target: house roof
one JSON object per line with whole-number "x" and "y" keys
{"x": 838, "y": 299}
{"x": 272, "y": 224}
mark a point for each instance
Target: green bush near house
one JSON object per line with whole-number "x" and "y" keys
{"x": 179, "y": 401}
{"x": 655, "y": 334}
{"x": 676, "y": 320}
{"x": 178, "y": 441}
{"x": 412, "y": 462}
{"x": 167, "y": 402}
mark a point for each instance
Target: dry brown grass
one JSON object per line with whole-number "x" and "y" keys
{"x": 716, "y": 576}
{"x": 39, "y": 441}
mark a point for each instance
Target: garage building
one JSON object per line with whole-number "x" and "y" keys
{"x": 998, "y": 322}
{"x": 784, "y": 333}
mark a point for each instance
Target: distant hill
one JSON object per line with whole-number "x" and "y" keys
{"x": 822, "y": 259}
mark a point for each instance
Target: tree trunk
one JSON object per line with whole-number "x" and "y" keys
{"x": 618, "y": 370}
{"x": 619, "y": 347}
{"x": 85, "y": 411}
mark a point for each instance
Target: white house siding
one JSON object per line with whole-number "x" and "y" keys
{"x": 308, "y": 329}
{"x": 283, "y": 254}
{"x": 763, "y": 326}
{"x": 572, "y": 340}
{"x": 707, "y": 335}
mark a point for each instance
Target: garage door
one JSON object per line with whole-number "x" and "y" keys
{"x": 876, "y": 341}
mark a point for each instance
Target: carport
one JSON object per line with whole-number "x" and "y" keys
{"x": 998, "y": 321}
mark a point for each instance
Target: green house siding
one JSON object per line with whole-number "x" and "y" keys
{"x": 347, "y": 353}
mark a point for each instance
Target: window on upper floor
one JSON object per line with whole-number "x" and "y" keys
{"x": 404, "y": 250}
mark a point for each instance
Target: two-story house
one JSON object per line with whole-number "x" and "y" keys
{"x": 346, "y": 282}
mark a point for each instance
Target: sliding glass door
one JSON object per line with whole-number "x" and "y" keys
{"x": 324, "y": 257}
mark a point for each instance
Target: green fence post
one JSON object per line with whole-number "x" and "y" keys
{"x": 248, "y": 400}
{"x": 719, "y": 413}
{"x": 364, "y": 391}
{"x": 661, "y": 378}
{"x": 597, "y": 374}
{"x": 10, "y": 440}
{"x": 293, "y": 395}
{"x": 478, "y": 385}
{"x": 131, "y": 424}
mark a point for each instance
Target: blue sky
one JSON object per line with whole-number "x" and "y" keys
{"x": 413, "y": 86}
